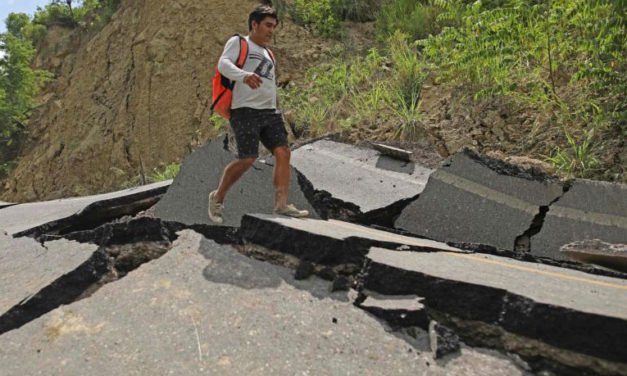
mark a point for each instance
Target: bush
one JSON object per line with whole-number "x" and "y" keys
{"x": 317, "y": 15}
{"x": 415, "y": 18}
{"x": 356, "y": 10}
{"x": 564, "y": 57}
{"x": 19, "y": 83}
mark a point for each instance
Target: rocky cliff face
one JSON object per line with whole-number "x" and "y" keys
{"x": 133, "y": 95}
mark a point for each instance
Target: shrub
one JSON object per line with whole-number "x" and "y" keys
{"x": 415, "y": 18}
{"x": 317, "y": 15}
{"x": 356, "y": 10}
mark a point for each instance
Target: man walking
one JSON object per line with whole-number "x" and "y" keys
{"x": 254, "y": 114}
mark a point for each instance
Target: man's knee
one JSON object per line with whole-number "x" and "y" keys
{"x": 282, "y": 153}
{"x": 246, "y": 162}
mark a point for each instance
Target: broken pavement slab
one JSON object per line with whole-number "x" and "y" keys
{"x": 474, "y": 199}
{"x": 205, "y": 309}
{"x": 187, "y": 198}
{"x": 360, "y": 176}
{"x": 4, "y": 204}
{"x": 589, "y": 210}
{"x": 26, "y": 266}
{"x": 122, "y": 248}
{"x": 329, "y": 242}
{"x": 577, "y": 319}
{"x": 78, "y": 213}
{"x": 613, "y": 256}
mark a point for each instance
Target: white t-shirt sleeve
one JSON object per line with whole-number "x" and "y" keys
{"x": 226, "y": 64}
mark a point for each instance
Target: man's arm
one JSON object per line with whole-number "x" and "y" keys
{"x": 227, "y": 67}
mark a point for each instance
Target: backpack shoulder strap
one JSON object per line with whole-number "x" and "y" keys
{"x": 271, "y": 54}
{"x": 243, "y": 51}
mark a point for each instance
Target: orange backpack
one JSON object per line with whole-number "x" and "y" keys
{"x": 222, "y": 94}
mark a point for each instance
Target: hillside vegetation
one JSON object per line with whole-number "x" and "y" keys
{"x": 543, "y": 79}
{"x": 82, "y": 108}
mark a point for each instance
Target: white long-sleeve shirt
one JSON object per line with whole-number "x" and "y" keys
{"x": 259, "y": 62}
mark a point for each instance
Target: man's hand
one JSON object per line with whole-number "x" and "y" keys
{"x": 253, "y": 80}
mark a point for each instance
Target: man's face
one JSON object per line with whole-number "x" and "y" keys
{"x": 263, "y": 31}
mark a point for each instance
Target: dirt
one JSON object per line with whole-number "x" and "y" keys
{"x": 135, "y": 95}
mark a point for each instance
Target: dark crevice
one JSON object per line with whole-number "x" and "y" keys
{"x": 387, "y": 216}
{"x": 120, "y": 252}
{"x": 522, "y": 243}
{"x": 121, "y": 232}
{"x": 550, "y": 333}
{"x": 98, "y": 213}
{"x": 507, "y": 169}
{"x": 326, "y": 206}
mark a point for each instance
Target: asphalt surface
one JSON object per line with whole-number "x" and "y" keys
{"x": 467, "y": 201}
{"x": 361, "y": 176}
{"x": 341, "y": 230}
{"x": 22, "y": 217}
{"x": 26, "y": 266}
{"x": 541, "y": 283}
{"x": 187, "y": 198}
{"x": 589, "y": 210}
{"x": 205, "y": 309}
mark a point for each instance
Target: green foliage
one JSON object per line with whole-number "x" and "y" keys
{"x": 356, "y": 10}
{"x": 166, "y": 173}
{"x": 72, "y": 13}
{"x": 318, "y": 15}
{"x": 566, "y": 57}
{"x": 349, "y": 92}
{"x": 406, "y": 85}
{"x": 577, "y": 159}
{"x": 415, "y": 18}
{"x": 19, "y": 83}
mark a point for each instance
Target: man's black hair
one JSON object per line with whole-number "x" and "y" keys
{"x": 260, "y": 12}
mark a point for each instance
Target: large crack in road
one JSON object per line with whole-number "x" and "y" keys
{"x": 545, "y": 333}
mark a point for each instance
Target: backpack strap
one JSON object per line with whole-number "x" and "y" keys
{"x": 243, "y": 51}
{"x": 271, "y": 55}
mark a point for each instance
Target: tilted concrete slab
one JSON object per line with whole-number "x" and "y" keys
{"x": 361, "y": 176}
{"x": 478, "y": 200}
{"x": 26, "y": 266}
{"x": 25, "y": 217}
{"x": 325, "y": 242}
{"x": 4, "y": 204}
{"x": 589, "y": 210}
{"x": 205, "y": 309}
{"x": 187, "y": 199}
{"x": 565, "y": 309}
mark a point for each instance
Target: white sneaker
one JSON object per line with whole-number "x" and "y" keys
{"x": 215, "y": 209}
{"x": 291, "y": 211}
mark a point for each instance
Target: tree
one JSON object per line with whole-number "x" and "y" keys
{"x": 19, "y": 83}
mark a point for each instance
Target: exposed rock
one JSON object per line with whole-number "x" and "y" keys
{"x": 444, "y": 341}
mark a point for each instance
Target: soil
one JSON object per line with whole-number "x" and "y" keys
{"x": 134, "y": 96}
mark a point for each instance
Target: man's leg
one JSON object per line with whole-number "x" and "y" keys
{"x": 281, "y": 180}
{"x": 274, "y": 137}
{"x": 281, "y": 177}
{"x": 232, "y": 172}
{"x": 246, "y": 132}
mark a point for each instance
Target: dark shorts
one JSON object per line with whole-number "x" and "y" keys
{"x": 250, "y": 126}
